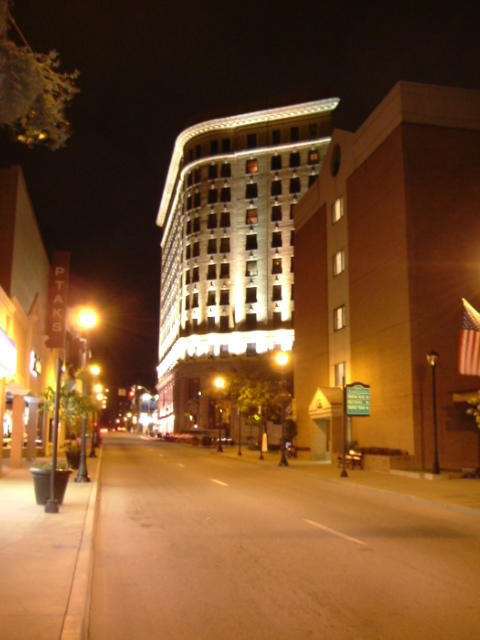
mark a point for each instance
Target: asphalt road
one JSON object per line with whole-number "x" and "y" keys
{"x": 195, "y": 545}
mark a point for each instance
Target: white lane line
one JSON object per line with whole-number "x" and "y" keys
{"x": 334, "y": 532}
{"x": 223, "y": 484}
{"x": 179, "y": 464}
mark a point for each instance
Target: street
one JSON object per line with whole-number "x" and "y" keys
{"x": 191, "y": 543}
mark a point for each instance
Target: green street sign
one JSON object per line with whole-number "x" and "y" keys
{"x": 357, "y": 399}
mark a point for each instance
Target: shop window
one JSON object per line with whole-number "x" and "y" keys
{"x": 251, "y": 295}
{"x": 251, "y": 242}
{"x": 211, "y": 246}
{"x": 276, "y": 239}
{"x": 252, "y": 268}
{"x": 251, "y": 166}
{"x": 225, "y": 270}
{"x": 251, "y": 217}
{"x": 212, "y": 272}
{"x": 276, "y": 162}
{"x": 276, "y": 213}
{"x": 251, "y": 191}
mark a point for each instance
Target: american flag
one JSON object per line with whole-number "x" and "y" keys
{"x": 469, "y": 355}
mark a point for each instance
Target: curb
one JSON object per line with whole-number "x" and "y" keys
{"x": 77, "y": 615}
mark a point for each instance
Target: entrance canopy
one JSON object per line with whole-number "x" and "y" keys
{"x": 326, "y": 403}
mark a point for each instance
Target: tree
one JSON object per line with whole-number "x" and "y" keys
{"x": 33, "y": 94}
{"x": 475, "y": 409}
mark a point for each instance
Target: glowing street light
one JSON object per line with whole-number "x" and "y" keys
{"x": 95, "y": 370}
{"x": 219, "y": 383}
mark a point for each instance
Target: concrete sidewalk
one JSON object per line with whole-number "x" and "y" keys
{"x": 45, "y": 559}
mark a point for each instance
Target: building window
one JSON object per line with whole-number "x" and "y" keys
{"x": 226, "y": 145}
{"x": 189, "y": 227}
{"x": 276, "y": 265}
{"x": 196, "y": 249}
{"x": 195, "y": 323}
{"x": 211, "y": 296}
{"x": 224, "y": 297}
{"x": 251, "y": 217}
{"x": 213, "y": 147}
{"x": 187, "y": 276}
{"x": 251, "y": 323}
{"x": 294, "y": 134}
{"x": 251, "y": 166}
{"x": 295, "y": 185}
{"x": 196, "y": 225}
{"x": 292, "y": 238}
{"x": 338, "y": 262}
{"x": 276, "y": 213}
{"x": 211, "y": 246}
{"x": 187, "y": 303}
{"x": 295, "y": 159}
{"x": 313, "y": 156}
{"x": 340, "y": 371}
{"x": 225, "y": 270}
{"x": 312, "y": 178}
{"x": 251, "y": 295}
{"x": 224, "y": 245}
{"x": 276, "y": 162}
{"x": 276, "y": 239}
{"x": 292, "y": 209}
{"x": 197, "y": 176}
{"x": 292, "y": 294}
{"x": 251, "y": 242}
{"x": 212, "y": 171}
{"x": 211, "y": 323}
{"x": 189, "y": 179}
{"x": 212, "y": 221}
{"x": 212, "y": 196}
{"x": 252, "y": 269}
{"x": 225, "y": 170}
{"x": 337, "y": 210}
{"x": 277, "y": 319}
{"x": 251, "y": 140}
{"x": 198, "y": 151}
{"x": 195, "y": 300}
{"x": 224, "y": 329}
{"x": 276, "y": 187}
{"x": 339, "y": 318}
{"x": 277, "y": 292}
{"x": 291, "y": 264}
{"x": 188, "y": 252}
{"x": 251, "y": 191}
{"x": 276, "y": 137}
{"x": 211, "y": 272}
{"x": 225, "y": 219}
{"x": 225, "y": 194}
{"x": 197, "y": 200}
{"x": 189, "y": 204}
{"x": 195, "y": 274}
{"x": 223, "y": 347}
{"x": 313, "y": 131}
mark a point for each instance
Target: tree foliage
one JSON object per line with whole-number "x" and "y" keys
{"x": 33, "y": 94}
{"x": 475, "y": 409}
{"x": 73, "y": 405}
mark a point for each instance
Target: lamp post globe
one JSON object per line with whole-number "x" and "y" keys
{"x": 432, "y": 359}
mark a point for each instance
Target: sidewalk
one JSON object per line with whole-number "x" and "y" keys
{"x": 447, "y": 489}
{"x": 45, "y": 559}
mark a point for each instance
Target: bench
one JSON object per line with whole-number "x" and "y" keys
{"x": 352, "y": 459}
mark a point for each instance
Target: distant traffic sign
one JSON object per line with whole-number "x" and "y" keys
{"x": 357, "y": 399}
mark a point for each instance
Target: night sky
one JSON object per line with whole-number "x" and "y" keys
{"x": 148, "y": 69}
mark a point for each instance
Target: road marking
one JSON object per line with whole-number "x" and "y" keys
{"x": 179, "y": 464}
{"x": 335, "y": 533}
{"x": 223, "y": 484}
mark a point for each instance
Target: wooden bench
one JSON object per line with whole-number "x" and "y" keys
{"x": 352, "y": 459}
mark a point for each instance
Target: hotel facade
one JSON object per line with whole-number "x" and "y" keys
{"x": 227, "y": 266}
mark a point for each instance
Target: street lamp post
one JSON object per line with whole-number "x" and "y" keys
{"x": 282, "y": 359}
{"x": 219, "y": 383}
{"x": 432, "y": 358}
{"x": 86, "y": 320}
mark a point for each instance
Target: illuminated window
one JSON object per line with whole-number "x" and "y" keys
{"x": 251, "y": 191}
{"x": 337, "y": 210}
{"x": 251, "y": 242}
{"x": 339, "y": 318}
{"x": 338, "y": 262}
{"x": 225, "y": 219}
{"x": 251, "y": 166}
{"x": 211, "y": 297}
{"x": 276, "y": 213}
{"x": 224, "y": 297}
{"x": 295, "y": 184}
{"x": 251, "y": 217}
{"x": 212, "y": 195}
{"x": 252, "y": 269}
{"x": 195, "y": 274}
{"x": 313, "y": 156}
{"x": 340, "y": 371}
{"x": 276, "y": 239}
{"x": 276, "y": 265}
{"x": 276, "y": 162}
{"x": 251, "y": 140}
{"x": 225, "y": 270}
{"x": 211, "y": 272}
{"x": 211, "y": 246}
{"x": 225, "y": 170}
{"x": 277, "y": 292}
{"x": 276, "y": 187}
{"x": 224, "y": 245}
{"x": 251, "y": 295}
{"x": 212, "y": 221}
{"x": 295, "y": 159}
{"x": 212, "y": 171}
{"x": 223, "y": 347}
{"x": 251, "y": 324}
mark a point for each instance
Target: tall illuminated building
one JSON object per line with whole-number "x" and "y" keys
{"x": 227, "y": 275}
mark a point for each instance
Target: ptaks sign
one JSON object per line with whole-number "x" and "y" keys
{"x": 58, "y": 300}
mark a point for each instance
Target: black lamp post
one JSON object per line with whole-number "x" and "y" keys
{"x": 239, "y": 432}
{"x": 219, "y": 383}
{"x": 281, "y": 359}
{"x": 432, "y": 358}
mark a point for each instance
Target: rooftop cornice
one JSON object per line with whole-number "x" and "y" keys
{"x": 229, "y": 123}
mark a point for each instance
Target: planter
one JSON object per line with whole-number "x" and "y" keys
{"x": 73, "y": 457}
{"x": 41, "y": 483}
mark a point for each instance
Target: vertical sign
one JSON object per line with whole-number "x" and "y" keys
{"x": 358, "y": 399}
{"x": 58, "y": 300}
